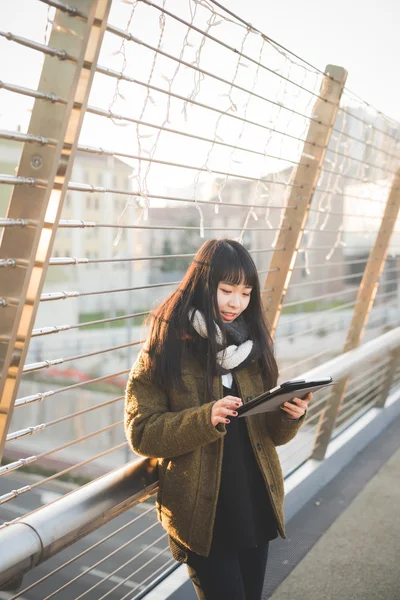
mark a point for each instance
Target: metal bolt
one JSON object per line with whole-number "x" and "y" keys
{"x": 36, "y": 161}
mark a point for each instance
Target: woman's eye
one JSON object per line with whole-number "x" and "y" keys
{"x": 230, "y": 291}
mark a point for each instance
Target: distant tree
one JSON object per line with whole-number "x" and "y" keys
{"x": 187, "y": 242}
{"x": 168, "y": 264}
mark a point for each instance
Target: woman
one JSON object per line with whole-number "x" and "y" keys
{"x": 221, "y": 486}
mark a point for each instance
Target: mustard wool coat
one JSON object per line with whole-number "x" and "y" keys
{"x": 176, "y": 429}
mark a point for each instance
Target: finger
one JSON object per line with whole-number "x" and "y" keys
{"x": 293, "y": 415}
{"x": 305, "y": 399}
{"x": 295, "y": 405}
{"x": 224, "y": 421}
{"x": 288, "y": 406}
{"x": 219, "y": 419}
{"x": 232, "y": 400}
{"x": 232, "y": 404}
{"x": 293, "y": 410}
{"x": 299, "y": 402}
{"x": 227, "y": 412}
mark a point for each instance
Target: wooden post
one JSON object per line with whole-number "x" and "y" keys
{"x": 305, "y": 181}
{"x": 31, "y": 246}
{"x": 365, "y": 299}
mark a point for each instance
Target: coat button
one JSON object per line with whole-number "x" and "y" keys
{"x": 248, "y": 398}
{"x": 258, "y": 446}
{"x": 272, "y": 488}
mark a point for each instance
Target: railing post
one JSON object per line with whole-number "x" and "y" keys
{"x": 365, "y": 299}
{"x": 394, "y": 362}
{"x": 30, "y": 246}
{"x": 305, "y": 181}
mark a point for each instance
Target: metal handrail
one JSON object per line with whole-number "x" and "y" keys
{"x": 35, "y": 538}
{"x": 342, "y": 366}
{"x": 48, "y": 530}
{"x": 311, "y": 173}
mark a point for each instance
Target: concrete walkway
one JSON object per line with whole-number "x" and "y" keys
{"x": 358, "y": 557}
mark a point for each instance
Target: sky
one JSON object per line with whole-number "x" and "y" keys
{"x": 360, "y": 36}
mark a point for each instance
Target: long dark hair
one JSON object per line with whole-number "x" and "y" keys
{"x": 171, "y": 331}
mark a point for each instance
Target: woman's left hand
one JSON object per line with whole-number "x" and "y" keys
{"x": 296, "y": 407}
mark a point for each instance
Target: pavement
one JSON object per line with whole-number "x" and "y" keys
{"x": 357, "y": 557}
{"x": 343, "y": 544}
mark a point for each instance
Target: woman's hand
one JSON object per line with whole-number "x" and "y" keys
{"x": 226, "y": 407}
{"x": 296, "y": 407}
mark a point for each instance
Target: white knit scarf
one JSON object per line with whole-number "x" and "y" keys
{"x": 230, "y": 357}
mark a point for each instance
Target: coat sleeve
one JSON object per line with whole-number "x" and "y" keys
{"x": 154, "y": 431}
{"x": 282, "y": 429}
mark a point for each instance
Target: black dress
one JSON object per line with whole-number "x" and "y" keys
{"x": 244, "y": 516}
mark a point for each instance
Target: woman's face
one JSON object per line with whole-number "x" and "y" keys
{"x": 232, "y": 300}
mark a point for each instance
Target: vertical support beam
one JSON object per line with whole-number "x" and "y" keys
{"x": 374, "y": 267}
{"x": 365, "y": 299}
{"x": 31, "y": 247}
{"x": 394, "y": 362}
{"x": 305, "y": 181}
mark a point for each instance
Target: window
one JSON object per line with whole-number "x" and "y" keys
{"x": 119, "y": 205}
{"x": 353, "y": 267}
{"x": 100, "y": 178}
{"x": 92, "y": 232}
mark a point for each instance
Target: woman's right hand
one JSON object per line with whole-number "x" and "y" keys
{"x": 226, "y": 407}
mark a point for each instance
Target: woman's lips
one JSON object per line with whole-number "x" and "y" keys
{"x": 229, "y": 315}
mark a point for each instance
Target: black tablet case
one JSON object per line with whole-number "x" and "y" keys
{"x": 271, "y": 400}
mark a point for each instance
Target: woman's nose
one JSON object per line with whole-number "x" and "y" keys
{"x": 233, "y": 301}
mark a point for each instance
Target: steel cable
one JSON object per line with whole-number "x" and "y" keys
{"x": 74, "y": 558}
{"x": 16, "y": 435}
{"x": 14, "y": 493}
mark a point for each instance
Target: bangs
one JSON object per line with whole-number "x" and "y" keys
{"x": 234, "y": 265}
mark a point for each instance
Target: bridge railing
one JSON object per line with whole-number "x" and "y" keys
{"x": 51, "y": 529}
{"x": 134, "y": 131}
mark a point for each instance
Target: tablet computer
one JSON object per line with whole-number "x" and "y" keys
{"x": 271, "y": 400}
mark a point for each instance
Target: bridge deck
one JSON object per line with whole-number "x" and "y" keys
{"x": 357, "y": 555}
{"x": 345, "y": 542}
